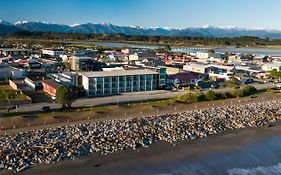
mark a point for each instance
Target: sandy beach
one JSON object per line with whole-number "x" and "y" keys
{"x": 165, "y": 158}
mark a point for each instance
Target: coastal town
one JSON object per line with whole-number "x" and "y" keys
{"x": 143, "y": 87}
{"x": 37, "y": 72}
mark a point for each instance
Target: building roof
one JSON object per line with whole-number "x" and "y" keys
{"x": 118, "y": 73}
{"x": 52, "y": 83}
{"x": 82, "y": 58}
{"x": 273, "y": 64}
{"x": 14, "y": 49}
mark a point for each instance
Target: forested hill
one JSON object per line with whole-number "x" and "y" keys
{"x": 159, "y": 40}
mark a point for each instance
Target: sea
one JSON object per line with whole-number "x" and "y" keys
{"x": 261, "y": 158}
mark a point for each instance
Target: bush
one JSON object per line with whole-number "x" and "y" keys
{"x": 187, "y": 98}
{"x": 211, "y": 95}
{"x": 248, "y": 90}
{"x": 201, "y": 97}
{"x": 232, "y": 82}
{"x": 228, "y": 95}
{"x": 237, "y": 93}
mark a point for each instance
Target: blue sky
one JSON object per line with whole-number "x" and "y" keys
{"x": 150, "y": 13}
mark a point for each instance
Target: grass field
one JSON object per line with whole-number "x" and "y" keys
{"x": 7, "y": 93}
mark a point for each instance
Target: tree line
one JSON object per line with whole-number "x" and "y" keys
{"x": 248, "y": 41}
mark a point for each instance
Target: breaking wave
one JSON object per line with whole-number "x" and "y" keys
{"x": 260, "y": 170}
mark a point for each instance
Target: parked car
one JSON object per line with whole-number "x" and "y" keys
{"x": 46, "y": 108}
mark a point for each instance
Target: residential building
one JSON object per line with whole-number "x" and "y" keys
{"x": 202, "y": 55}
{"x": 105, "y": 83}
{"x": 197, "y": 68}
{"x": 272, "y": 66}
{"x": 141, "y": 55}
{"x": 80, "y": 62}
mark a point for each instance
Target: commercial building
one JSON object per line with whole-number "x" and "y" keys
{"x": 50, "y": 86}
{"x": 15, "y": 53}
{"x": 53, "y": 52}
{"x": 11, "y": 73}
{"x": 68, "y": 79}
{"x": 104, "y": 83}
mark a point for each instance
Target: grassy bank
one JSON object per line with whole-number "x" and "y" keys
{"x": 193, "y": 97}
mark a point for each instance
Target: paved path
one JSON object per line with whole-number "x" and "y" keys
{"x": 124, "y": 98}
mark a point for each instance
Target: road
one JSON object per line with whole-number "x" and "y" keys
{"x": 124, "y": 98}
{"x": 89, "y": 102}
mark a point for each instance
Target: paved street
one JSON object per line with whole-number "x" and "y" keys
{"x": 124, "y": 98}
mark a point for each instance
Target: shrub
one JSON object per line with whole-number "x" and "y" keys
{"x": 200, "y": 97}
{"x": 248, "y": 90}
{"x": 237, "y": 93}
{"x": 186, "y": 98}
{"x": 232, "y": 82}
{"x": 211, "y": 95}
{"x": 228, "y": 95}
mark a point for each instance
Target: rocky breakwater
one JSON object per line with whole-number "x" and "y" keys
{"x": 22, "y": 150}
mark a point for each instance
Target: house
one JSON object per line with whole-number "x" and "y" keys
{"x": 115, "y": 56}
{"x": 271, "y": 66}
{"x": 141, "y": 55}
{"x": 221, "y": 71}
{"x": 196, "y": 68}
{"x": 182, "y": 78}
{"x": 202, "y": 55}
{"x": 50, "y": 86}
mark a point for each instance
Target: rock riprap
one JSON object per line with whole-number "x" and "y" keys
{"x": 22, "y": 150}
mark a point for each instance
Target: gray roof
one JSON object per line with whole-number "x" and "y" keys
{"x": 14, "y": 49}
{"x": 118, "y": 73}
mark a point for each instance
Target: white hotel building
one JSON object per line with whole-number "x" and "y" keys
{"x": 105, "y": 83}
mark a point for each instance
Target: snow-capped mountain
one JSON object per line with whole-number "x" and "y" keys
{"x": 107, "y": 28}
{"x": 5, "y": 23}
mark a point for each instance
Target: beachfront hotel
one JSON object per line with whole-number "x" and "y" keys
{"x": 105, "y": 83}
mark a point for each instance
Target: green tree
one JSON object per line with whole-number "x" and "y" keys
{"x": 275, "y": 74}
{"x": 232, "y": 82}
{"x": 65, "y": 96}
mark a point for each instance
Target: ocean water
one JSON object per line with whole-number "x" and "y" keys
{"x": 262, "y": 158}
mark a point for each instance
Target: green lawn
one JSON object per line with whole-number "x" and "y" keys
{"x": 6, "y": 92}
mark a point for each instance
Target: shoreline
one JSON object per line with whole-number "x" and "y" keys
{"x": 71, "y": 142}
{"x": 180, "y": 107}
{"x": 159, "y": 154}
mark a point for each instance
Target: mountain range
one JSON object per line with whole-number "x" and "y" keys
{"x": 107, "y": 28}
